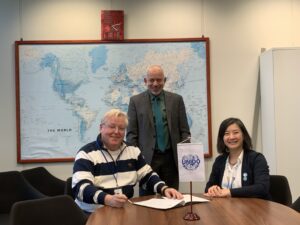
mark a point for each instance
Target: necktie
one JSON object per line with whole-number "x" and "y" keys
{"x": 159, "y": 125}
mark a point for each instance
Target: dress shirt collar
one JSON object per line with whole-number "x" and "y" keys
{"x": 161, "y": 95}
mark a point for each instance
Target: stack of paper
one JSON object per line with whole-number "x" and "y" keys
{"x": 167, "y": 203}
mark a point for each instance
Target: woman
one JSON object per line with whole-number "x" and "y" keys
{"x": 239, "y": 171}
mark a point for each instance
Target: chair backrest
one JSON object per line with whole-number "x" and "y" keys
{"x": 14, "y": 187}
{"x": 296, "y": 205}
{"x": 44, "y": 181}
{"x": 55, "y": 210}
{"x": 280, "y": 190}
{"x": 68, "y": 188}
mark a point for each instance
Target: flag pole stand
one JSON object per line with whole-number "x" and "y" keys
{"x": 191, "y": 216}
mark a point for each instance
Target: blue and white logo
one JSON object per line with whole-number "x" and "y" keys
{"x": 190, "y": 162}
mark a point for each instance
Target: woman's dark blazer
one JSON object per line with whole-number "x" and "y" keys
{"x": 255, "y": 175}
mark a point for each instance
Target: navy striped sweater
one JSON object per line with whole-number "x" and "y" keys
{"x": 96, "y": 173}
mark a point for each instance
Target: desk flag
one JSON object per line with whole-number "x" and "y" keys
{"x": 191, "y": 162}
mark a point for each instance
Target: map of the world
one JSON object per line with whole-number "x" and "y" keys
{"x": 65, "y": 89}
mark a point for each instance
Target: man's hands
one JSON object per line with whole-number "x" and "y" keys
{"x": 216, "y": 191}
{"x": 119, "y": 200}
{"x": 116, "y": 200}
{"x": 172, "y": 193}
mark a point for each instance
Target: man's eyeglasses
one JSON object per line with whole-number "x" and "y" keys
{"x": 115, "y": 127}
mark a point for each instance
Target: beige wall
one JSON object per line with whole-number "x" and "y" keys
{"x": 238, "y": 30}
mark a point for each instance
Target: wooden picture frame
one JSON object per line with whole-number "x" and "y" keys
{"x": 62, "y": 88}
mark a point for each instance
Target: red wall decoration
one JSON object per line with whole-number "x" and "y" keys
{"x": 112, "y": 24}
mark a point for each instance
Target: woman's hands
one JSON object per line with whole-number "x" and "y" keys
{"x": 217, "y": 191}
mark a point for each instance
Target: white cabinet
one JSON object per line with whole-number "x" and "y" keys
{"x": 280, "y": 113}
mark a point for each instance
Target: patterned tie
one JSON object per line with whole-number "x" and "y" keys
{"x": 159, "y": 125}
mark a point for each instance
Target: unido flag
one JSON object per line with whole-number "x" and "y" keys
{"x": 190, "y": 162}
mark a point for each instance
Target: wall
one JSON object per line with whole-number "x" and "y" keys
{"x": 238, "y": 30}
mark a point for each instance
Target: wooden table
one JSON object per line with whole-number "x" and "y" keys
{"x": 219, "y": 211}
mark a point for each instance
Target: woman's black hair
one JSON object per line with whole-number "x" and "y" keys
{"x": 221, "y": 147}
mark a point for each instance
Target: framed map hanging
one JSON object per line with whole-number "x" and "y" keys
{"x": 63, "y": 88}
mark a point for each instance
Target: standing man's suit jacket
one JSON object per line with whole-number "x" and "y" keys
{"x": 141, "y": 128}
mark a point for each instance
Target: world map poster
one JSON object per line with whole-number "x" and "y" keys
{"x": 63, "y": 89}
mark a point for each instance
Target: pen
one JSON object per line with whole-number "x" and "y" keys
{"x": 130, "y": 201}
{"x": 188, "y": 138}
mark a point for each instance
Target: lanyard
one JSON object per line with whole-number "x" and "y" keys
{"x": 115, "y": 174}
{"x": 231, "y": 175}
{"x": 230, "y": 183}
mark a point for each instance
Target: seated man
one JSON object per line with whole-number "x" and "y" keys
{"x": 106, "y": 170}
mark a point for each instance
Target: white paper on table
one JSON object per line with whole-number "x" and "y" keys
{"x": 167, "y": 203}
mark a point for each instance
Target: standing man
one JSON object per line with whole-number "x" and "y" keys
{"x": 157, "y": 122}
